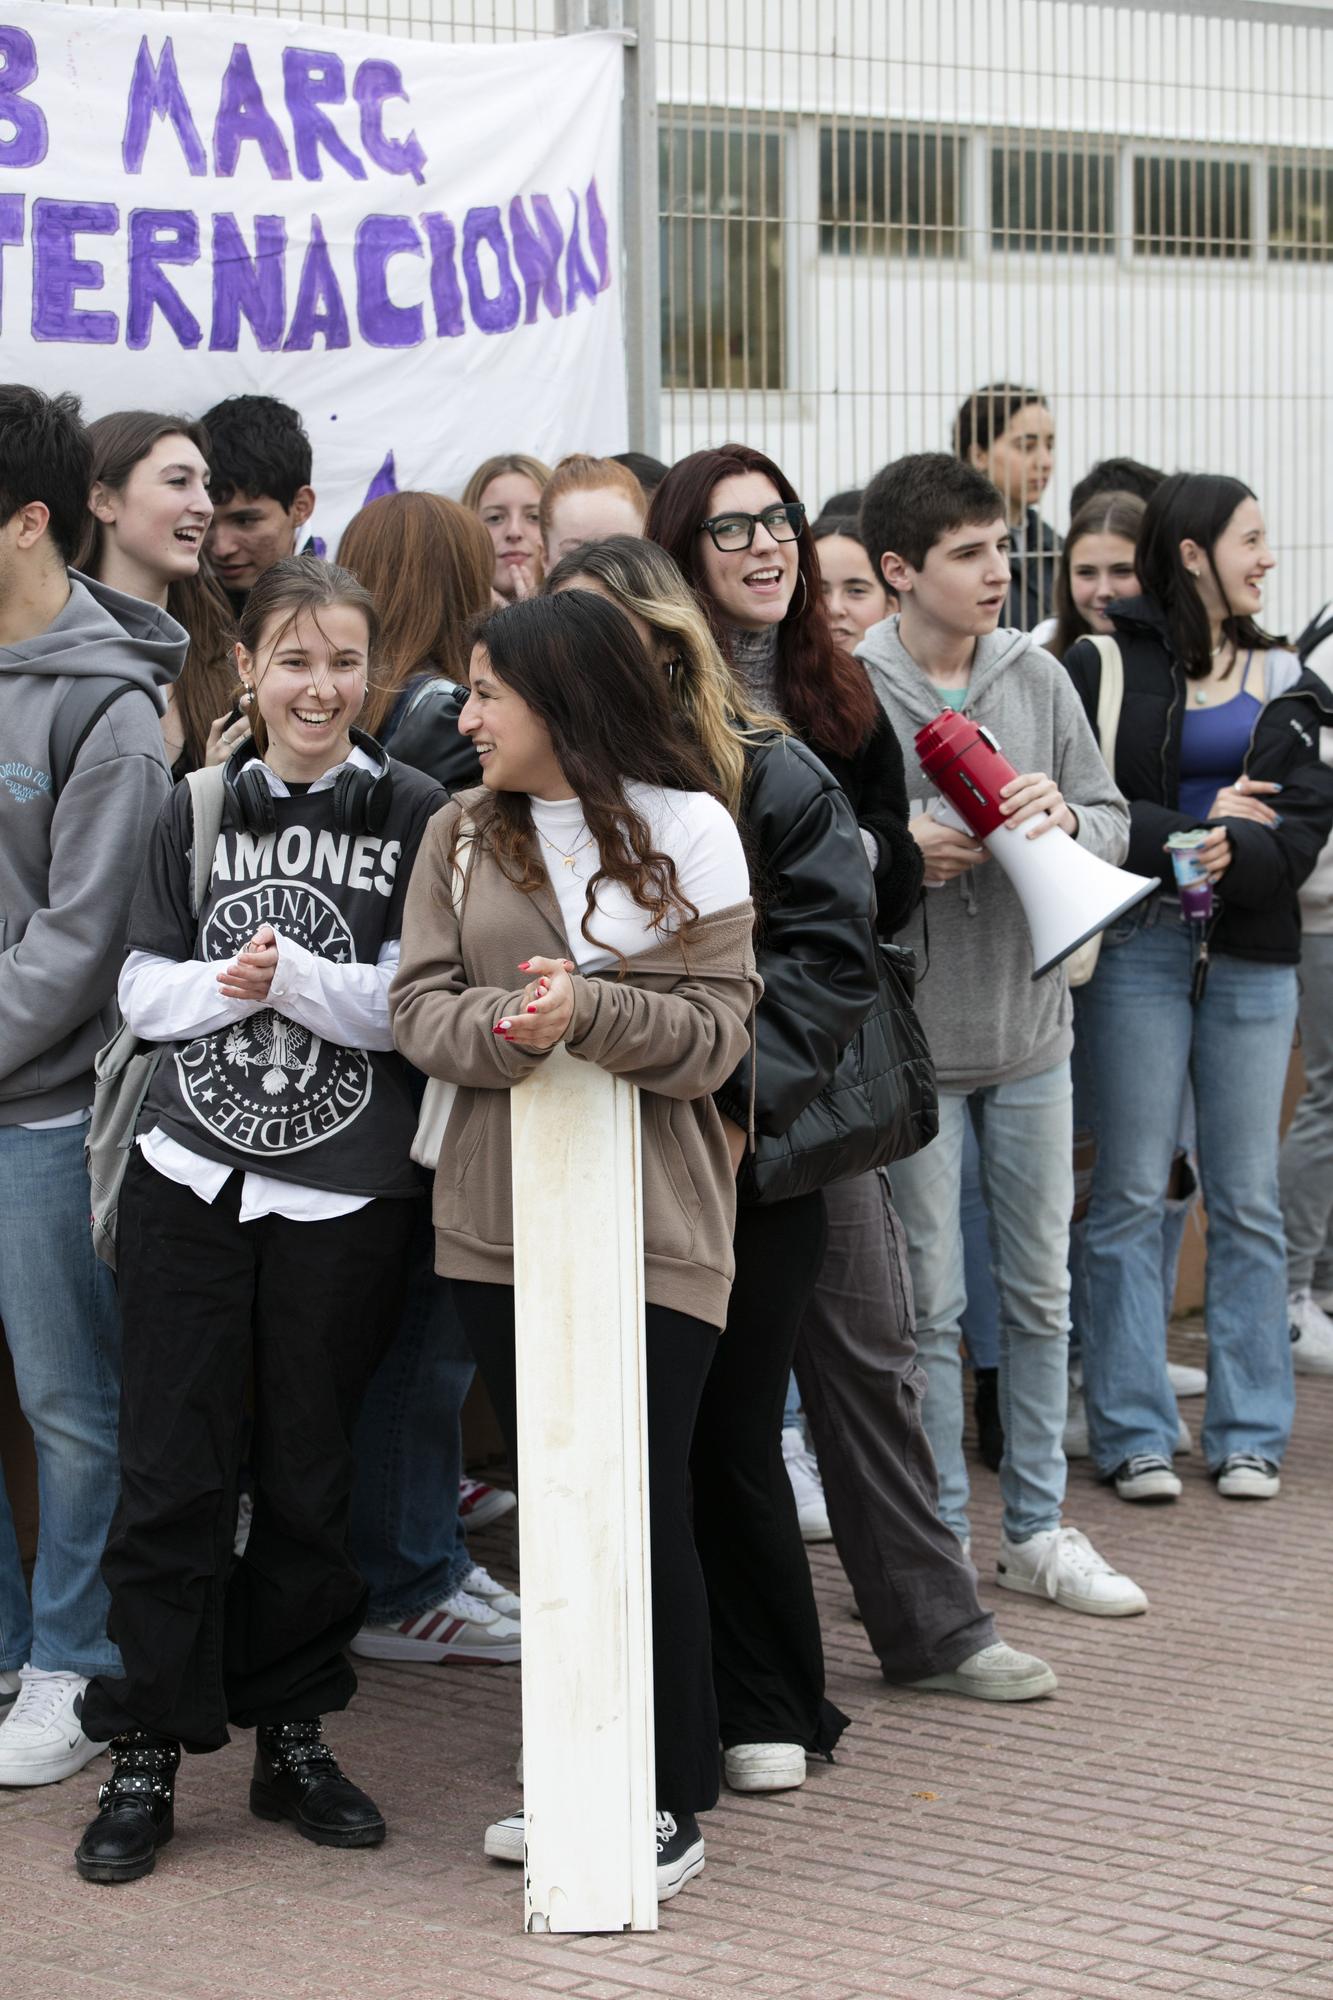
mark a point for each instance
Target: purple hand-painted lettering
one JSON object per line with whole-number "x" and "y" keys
{"x": 598, "y": 236}
{"x": 312, "y": 78}
{"x": 497, "y": 313}
{"x": 382, "y": 323}
{"x": 319, "y": 307}
{"x": 26, "y": 144}
{"x": 375, "y": 83}
{"x": 579, "y": 280}
{"x": 156, "y": 92}
{"x": 242, "y": 115}
{"x": 385, "y": 481}
{"x": 11, "y": 231}
{"x": 57, "y": 274}
{"x": 253, "y": 287}
{"x": 537, "y": 254}
{"x": 445, "y": 296}
{"x": 160, "y": 236}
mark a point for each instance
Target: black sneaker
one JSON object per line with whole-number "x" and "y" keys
{"x": 135, "y": 1810}
{"x": 1246, "y": 1476}
{"x": 1146, "y": 1476}
{"x": 680, "y": 1853}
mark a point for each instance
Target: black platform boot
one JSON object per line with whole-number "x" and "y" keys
{"x": 297, "y": 1778}
{"x": 135, "y": 1810}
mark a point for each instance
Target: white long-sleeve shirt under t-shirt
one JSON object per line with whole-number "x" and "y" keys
{"x": 172, "y": 1000}
{"x": 696, "y": 831}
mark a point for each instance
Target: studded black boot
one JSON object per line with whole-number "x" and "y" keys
{"x": 297, "y": 1778}
{"x": 135, "y": 1810}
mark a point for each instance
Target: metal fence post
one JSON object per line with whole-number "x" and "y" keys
{"x": 639, "y": 203}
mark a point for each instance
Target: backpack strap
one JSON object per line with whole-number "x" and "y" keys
{"x": 1110, "y": 697}
{"x": 207, "y": 794}
{"x": 77, "y": 717}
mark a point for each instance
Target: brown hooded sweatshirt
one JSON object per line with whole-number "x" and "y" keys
{"x": 676, "y": 1022}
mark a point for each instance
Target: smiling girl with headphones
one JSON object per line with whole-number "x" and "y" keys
{"x": 263, "y": 1222}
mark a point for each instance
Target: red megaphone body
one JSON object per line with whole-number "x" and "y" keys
{"x": 1067, "y": 894}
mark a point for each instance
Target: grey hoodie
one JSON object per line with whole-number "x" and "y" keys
{"x": 69, "y": 865}
{"x": 987, "y": 1020}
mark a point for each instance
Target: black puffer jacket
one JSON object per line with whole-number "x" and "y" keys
{"x": 876, "y": 784}
{"x": 1259, "y": 917}
{"x": 816, "y": 948}
{"x": 422, "y": 730}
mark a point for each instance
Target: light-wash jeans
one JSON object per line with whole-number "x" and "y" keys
{"x": 1025, "y": 1136}
{"x": 1143, "y": 1039}
{"x": 1307, "y": 1153}
{"x": 62, "y": 1326}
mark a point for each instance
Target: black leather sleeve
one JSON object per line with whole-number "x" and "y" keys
{"x": 816, "y": 944}
{"x": 428, "y": 738}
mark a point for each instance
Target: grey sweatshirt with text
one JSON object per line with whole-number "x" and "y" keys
{"x": 987, "y": 1020}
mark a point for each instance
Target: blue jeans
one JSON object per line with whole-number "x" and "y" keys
{"x": 1144, "y": 1040}
{"x": 407, "y": 1539}
{"x": 1025, "y": 1135}
{"x": 58, "y": 1305}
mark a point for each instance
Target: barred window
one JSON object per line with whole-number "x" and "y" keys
{"x": 1300, "y": 212}
{"x": 1185, "y": 206}
{"x": 723, "y": 258}
{"x": 1054, "y": 197}
{"x": 891, "y": 193}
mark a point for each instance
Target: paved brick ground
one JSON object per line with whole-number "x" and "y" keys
{"x": 1162, "y": 1827}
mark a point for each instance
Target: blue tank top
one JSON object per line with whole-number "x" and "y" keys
{"x": 1213, "y": 743}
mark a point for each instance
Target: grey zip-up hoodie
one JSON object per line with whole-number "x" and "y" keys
{"x": 987, "y": 1020}
{"x": 69, "y": 865}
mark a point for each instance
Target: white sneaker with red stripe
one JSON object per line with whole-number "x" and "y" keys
{"x": 480, "y": 1583}
{"x": 463, "y": 1627}
{"x": 480, "y": 1504}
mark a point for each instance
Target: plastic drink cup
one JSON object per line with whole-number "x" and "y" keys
{"x": 1196, "y": 891}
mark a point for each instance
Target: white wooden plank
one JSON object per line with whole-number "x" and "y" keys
{"x": 583, "y": 1484}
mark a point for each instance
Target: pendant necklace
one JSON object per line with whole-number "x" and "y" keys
{"x": 568, "y": 859}
{"x": 1201, "y": 695}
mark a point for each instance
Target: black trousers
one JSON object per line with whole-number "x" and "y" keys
{"x": 862, "y": 1387}
{"x": 204, "y": 1638}
{"x": 678, "y": 1352}
{"x": 768, "y": 1657}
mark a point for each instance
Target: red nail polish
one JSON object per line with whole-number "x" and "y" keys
{"x": 532, "y": 1010}
{"x": 523, "y": 964}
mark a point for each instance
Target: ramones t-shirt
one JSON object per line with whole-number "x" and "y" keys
{"x": 266, "y": 1094}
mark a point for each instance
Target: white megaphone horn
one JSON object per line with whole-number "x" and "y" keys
{"x": 1067, "y": 894}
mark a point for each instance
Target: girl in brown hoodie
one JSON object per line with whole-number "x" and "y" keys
{"x": 598, "y": 861}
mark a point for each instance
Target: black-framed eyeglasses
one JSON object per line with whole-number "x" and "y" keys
{"x": 730, "y": 532}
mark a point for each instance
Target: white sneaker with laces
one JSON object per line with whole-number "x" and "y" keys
{"x": 1146, "y": 1475}
{"x": 480, "y": 1583}
{"x": 803, "y": 1472}
{"x": 41, "y": 1738}
{"x": 1062, "y": 1564}
{"x": 1186, "y": 1381}
{"x": 461, "y": 1628}
{"x": 997, "y": 1673}
{"x": 1311, "y": 1336}
{"x": 764, "y": 1767}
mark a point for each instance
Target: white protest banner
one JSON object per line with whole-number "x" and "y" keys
{"x": 414, "y": 243}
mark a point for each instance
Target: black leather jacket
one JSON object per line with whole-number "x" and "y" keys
{"x": 422, "y": 730}
{"x": 815, "y": 944}
{"x": 1258, "y": 915}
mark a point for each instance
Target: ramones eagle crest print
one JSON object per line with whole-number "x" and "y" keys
{"x": 268, "y": 1084}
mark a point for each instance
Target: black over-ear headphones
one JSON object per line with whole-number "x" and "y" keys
{"x": 361, "y": 799}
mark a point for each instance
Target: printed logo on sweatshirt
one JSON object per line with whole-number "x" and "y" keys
{"x": 267, "y": 1084}
{"x": 361, "y": 861}
{"x": 25, "y": 782}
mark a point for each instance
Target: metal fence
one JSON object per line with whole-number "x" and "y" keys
{"x": 866, "y": 208}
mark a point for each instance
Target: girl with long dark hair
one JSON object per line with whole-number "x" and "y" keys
{"x": 148, "y": 513}
{"x": 1096, "y": 568}
{"x": 603, "y": 904}
{"x": 1007, "y": 433}
{"x": 1218, "y": 738}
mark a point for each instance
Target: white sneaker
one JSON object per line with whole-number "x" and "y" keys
{"x": 996, "y": 1673}
{"x": 1311, "y": 1336}
{"x": 42, "y": 1739}
{"x": 480, "y": 1583}
{"x": 764, "y": 1767}
{"x": 480, "y": 1504}
{"x": 504, "y": 1839}
{"x": 461, "y": 1628}
{"x": 1063, "y": 1565}
{"x": 1076, "y": 1426}
{"x": 806, "y": 1484}
{"x": 9, "y": 1687}
{"x": 1186, "y": 1381}
{"x": 1146, "y": 1475}
{"x": 680, "y": 1849}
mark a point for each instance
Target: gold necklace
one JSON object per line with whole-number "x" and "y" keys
{"x": 568, "y": 859}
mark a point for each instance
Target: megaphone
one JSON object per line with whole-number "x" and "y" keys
{"x": 1067, "y": 894}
